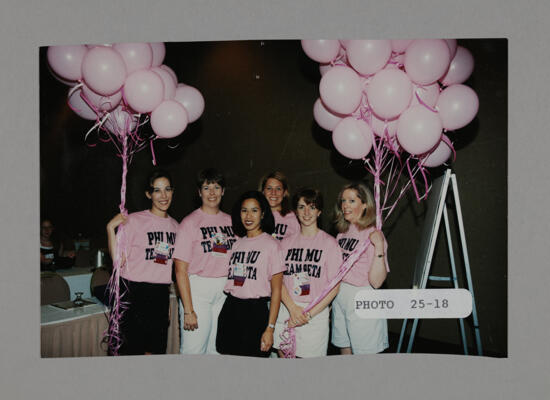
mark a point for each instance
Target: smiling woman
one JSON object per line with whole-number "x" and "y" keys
{"x": 204, "y": 241}
{"x": 274, "y": 186}
{"x": 355, "y": 220}
{"x": 146, "y": 269}
{"x": 254, "y": 277}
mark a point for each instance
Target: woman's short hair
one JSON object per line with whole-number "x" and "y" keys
{"x": 210, "y": 175}
{"x": 369, "y": 215}
{"x": 310, "y": 196}
{"x": 267, "y": 223}
{"x": 285, "y": 204}
{"x": 155, "y": 174}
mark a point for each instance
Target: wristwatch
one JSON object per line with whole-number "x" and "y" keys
{"x": 272, "y": 326}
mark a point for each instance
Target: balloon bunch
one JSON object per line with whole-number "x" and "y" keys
{"x": 122, "y": 87}
{"x": 396, "y": 98}
{"x": 389, "y": 102}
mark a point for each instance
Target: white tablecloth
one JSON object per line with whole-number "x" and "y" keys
{"x": 78, "y": 332}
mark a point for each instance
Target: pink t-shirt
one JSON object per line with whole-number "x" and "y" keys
{"x": 285, "y": 226}
{"x": 204, "y": 241}
{"x": 358, "y": 275}
{"x": 252, "y": 263}
{"x": 150, "y": 246}
{"x": 311, "y": 262}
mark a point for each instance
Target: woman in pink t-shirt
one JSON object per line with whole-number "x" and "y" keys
{"x": 203, "y": 244}
{"x": 255, "y": 274}
{"x": 274, "y": 186}
{"x": 146, "y": 272}
{"x": 355, "y": 220}
{"x": 312, "y": 259}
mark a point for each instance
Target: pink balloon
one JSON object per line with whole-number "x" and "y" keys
{"x": 120, "y": 121}
{"x": 79, "y": 106}
{"x": 135, "y": 55}
{"x": 169, "y": 119}
{"x": 341, "y": 89}
{"x": 427, "y": 60}
{"x": 91, "y": 46}
{"x": 418, "y": 130}
{"x": 344, "y": 43}
{"x": 60, "y": 79}
{"x": 66, "y": 61}
{"x": 379, "y": 127}
{"x": 428, "y": 94}
{"x": 103, "y": 70}
{"x": 368, "y": 56}
{"x": 325, "y": 118}
{"x": 452, "y": 44}
{"x": 171, "y": 72}
{"x": 322, "y": 51}
{"x": 191, "y": 99}
{"x": 462, "y": 66}
{"x": 323, "y": 68}
{"x": 352, "y": 138}
{"x": 439, "y": 155}
{"x": 389, "y": 93}
{"x": 399, "y": 46}
{"x": 143, "y": 91}
{"x": 104, "y": 103}
{"x": 457, "y": 105}
{"x": 159, "y": 51}
{"x": 167, "y": 81}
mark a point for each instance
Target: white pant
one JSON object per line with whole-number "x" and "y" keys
{"x": 311, "y": 338}
{"x": 364, "y": 336}
{"x": 208, "y": 298}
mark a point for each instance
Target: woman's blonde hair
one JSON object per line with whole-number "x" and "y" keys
{"x": 369, "y": 214}
{"x": 285, "y": 204}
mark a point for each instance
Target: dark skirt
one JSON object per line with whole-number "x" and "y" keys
{"x": 144, "y": 323}
{"x": 241, "y": 324}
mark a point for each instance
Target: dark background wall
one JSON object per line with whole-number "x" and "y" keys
{"x": 259, "y": 98}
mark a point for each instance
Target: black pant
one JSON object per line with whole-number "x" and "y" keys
{"x": 144, "y": 323}
{"x": 240, "y": 326}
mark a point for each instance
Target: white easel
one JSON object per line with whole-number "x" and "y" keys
{"x": 436, "y": 208}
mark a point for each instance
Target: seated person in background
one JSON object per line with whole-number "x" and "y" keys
{"x": 50, "y": 247}
{"x": 52, "y": 253}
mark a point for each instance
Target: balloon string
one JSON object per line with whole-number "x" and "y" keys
{"x": 448, "y": 142}
{"x": 424, "y": 104}
{"x": 153, "y": 152}
{"x": 115, "y": 295}
{"x": 75, "y": 88}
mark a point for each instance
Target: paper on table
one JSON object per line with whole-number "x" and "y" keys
{"x": 69, "y": 304}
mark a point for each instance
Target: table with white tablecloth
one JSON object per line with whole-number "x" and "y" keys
{"x": 78, "y": 332}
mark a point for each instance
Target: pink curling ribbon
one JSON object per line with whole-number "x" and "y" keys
{"x": 153, "y": 152}
{"x": 450, "y": 144}
{"x": 115, "y": 294}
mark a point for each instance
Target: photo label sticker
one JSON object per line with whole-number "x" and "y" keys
{"x": 413, "y": 303}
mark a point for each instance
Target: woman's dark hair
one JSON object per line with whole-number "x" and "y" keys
{"x": 278, "y": 175}
{"x": 210, "y": 175}
{"x": 155, "y": 174}
{"x": 267, "y": 224}
{"x": 310, "y": 196}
